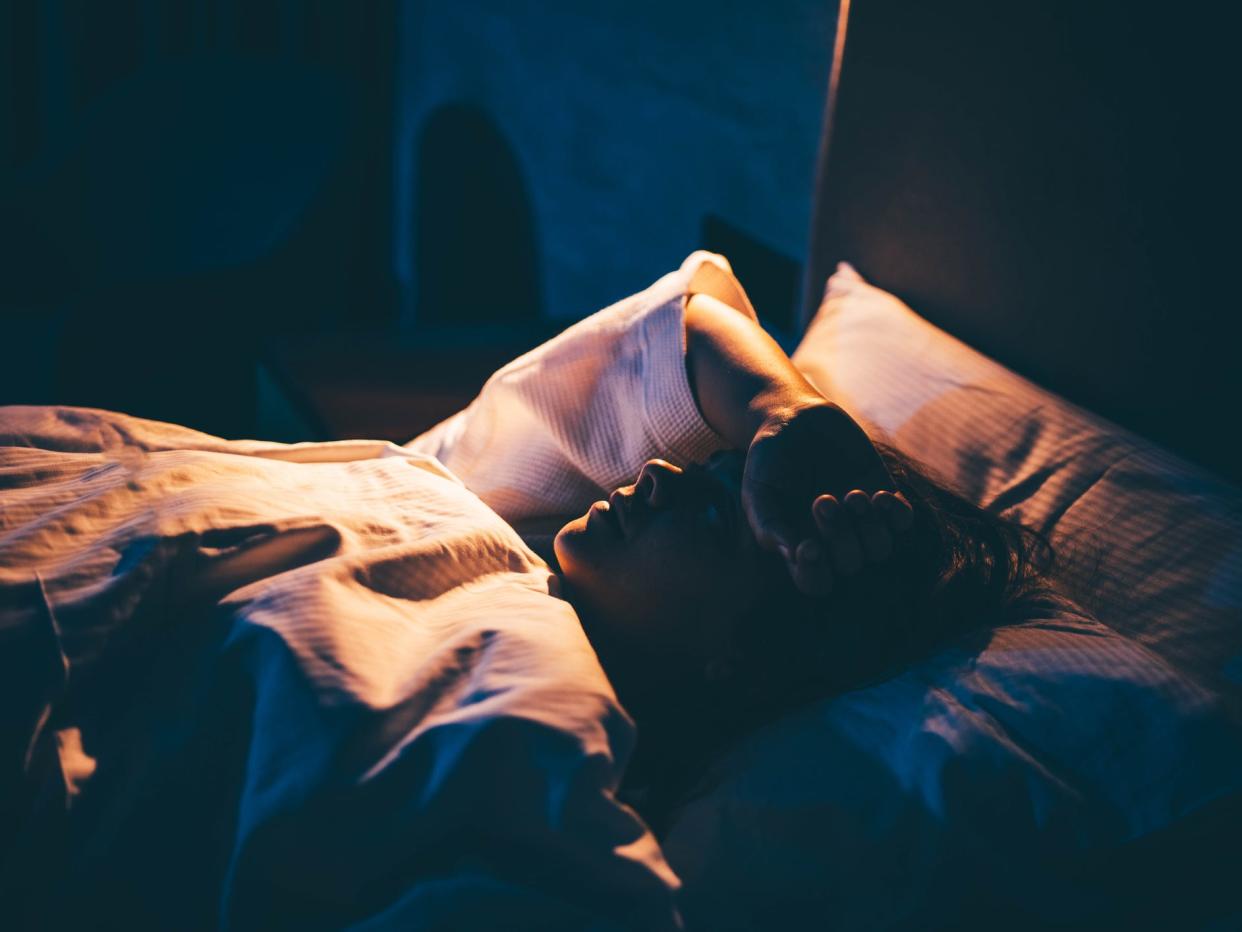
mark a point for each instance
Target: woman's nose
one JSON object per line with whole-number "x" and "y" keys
{"x": 657, "y": 483}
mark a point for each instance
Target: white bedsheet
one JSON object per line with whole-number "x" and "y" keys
{"x": 389, "y": 712}
{"x": 420, "y": 732}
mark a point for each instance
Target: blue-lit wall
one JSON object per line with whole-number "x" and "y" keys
{"x": 187, "y": 186}
{"x": 629, "y": 122}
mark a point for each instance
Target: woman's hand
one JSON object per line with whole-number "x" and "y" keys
{"x": 815, "y": 490}
{"x": 806, "y": 457}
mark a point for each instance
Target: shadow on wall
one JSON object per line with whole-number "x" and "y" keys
{"x": 174, "y": 233}
{"x": 771, "y": 278}
{"x": 475, "y": 253}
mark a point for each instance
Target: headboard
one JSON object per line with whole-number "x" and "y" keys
{"x": 1053, "y": 183}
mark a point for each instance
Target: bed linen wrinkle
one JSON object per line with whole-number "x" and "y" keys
{"x": 464, "y": 806}
{"x": 295, "y": 573}
{"x": 1050, "y": 518}
{"x": 36, "y": 469}
{"x": 1073, "y": 772}
{"x": 586, "y": 409}
{"x": 1102, "y": 549}
{"x": 1051, "y": 773}
{"x": 403, "y": 692}
{"x": 1010, "y": 781}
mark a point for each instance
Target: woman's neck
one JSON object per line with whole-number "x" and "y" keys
{"x": 680, "y": 724}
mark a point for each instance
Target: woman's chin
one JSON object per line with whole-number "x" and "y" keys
{"x": 587, "y": 538}
{"x": 570, "y": 544}
{"x": 583, "y": 555}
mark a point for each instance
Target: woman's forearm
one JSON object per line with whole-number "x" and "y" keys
{"x": 740, "y": 377}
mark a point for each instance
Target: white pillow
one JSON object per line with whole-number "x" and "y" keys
{"x": 1044, "y": 771}
{"x": 1150, "y": 544}
{"x": 989, "y": 780}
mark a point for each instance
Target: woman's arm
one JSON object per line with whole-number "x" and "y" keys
{"x": 815, "y": 488}
{"x": 739, "y": 375}
{"x": 576, "y": 417}
{"x": 654, "y": 375}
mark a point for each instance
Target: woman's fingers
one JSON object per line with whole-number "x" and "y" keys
{"x": 810, "y": 563}
{"x": 873, "y": 532}
{"x": 824, "y": 510}
{"x": 861, "y": 529}
{"x": 843, "y": 543}
{"x": 852, "y": 532}
{"x": 896, "y": 509}
{"x": 839, "y": 539}
{"x": 811, "y": 569}
{"x": 848, "y": 531}
{"x": 778, "y": 536}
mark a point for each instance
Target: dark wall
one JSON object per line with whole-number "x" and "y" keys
{"x": 1056, "y": 183}
{"x": 181, "y": 182}
{"x": 638, "y": 131}
{"x": 187, "y": 186}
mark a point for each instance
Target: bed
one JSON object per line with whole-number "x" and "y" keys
{"x": 1032, "y": 200}
{"x": 1078, "y": 768}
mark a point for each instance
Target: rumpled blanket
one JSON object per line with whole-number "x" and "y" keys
{"x": 256, "y": 685}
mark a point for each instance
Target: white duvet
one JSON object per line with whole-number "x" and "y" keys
{"x": 398, "y": 643}
{"x": 328, "y": 685}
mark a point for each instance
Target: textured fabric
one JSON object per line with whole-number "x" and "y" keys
{"x": 336, "y": 663}
{"x": 392, "y": 677}
{"x": 1151, "y": 544}
{"x": 1006, "y": 777}
{"x": 313, "y": 685}
{"x": 1061, "y": 771}
{"x": 578, "y": 416}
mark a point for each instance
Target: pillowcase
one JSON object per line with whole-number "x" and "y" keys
{"x": 1149, "y": 543}
{"x": 1059, "y": 769}
{"x": 1005, "y": 778}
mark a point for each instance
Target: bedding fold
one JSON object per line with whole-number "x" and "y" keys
{"x": 312, "y": 686}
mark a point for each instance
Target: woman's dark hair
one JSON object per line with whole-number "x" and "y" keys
{"x": 960, "y": 567}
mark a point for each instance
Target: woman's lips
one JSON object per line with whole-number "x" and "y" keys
{"x": 610, "y": 516}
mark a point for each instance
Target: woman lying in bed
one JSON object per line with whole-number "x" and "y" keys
{"x": 374, "y": 662}
{"x": 768, "y": 554}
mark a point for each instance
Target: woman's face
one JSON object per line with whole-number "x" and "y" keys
{"x": 664, "y": 566}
